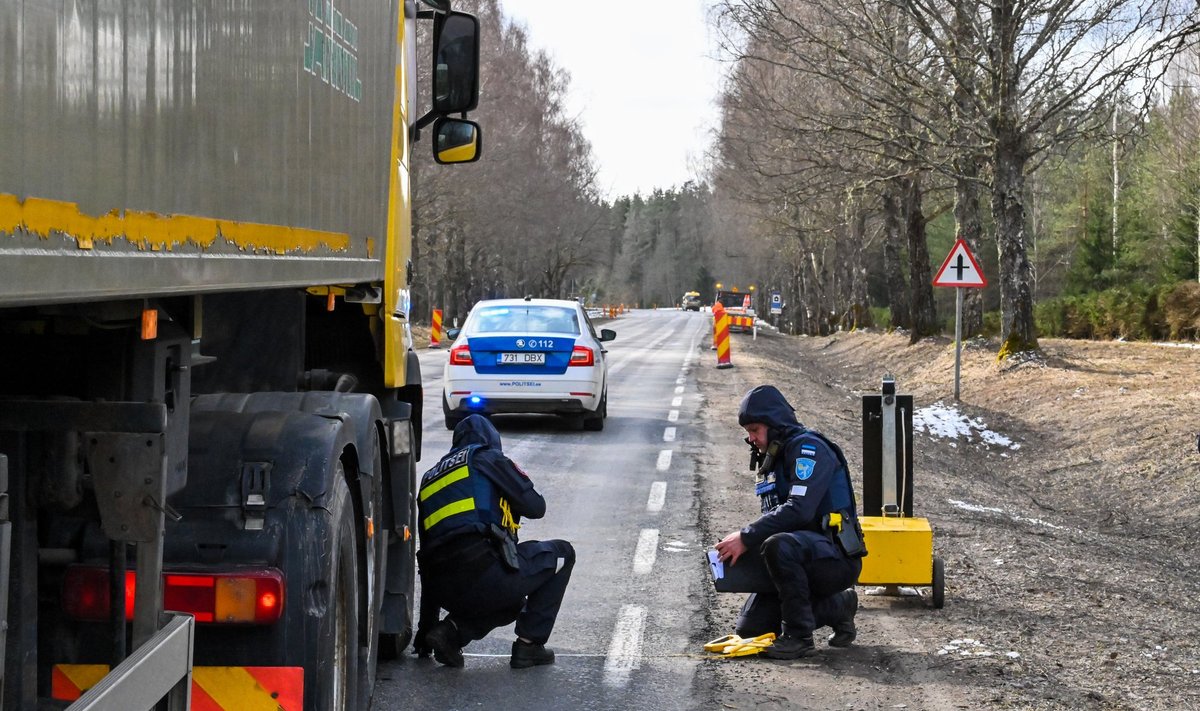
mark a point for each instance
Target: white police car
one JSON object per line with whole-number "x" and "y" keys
{"x": 528, "y": 355}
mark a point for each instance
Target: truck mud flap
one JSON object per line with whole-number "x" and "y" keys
{"x": 213, "y": 688}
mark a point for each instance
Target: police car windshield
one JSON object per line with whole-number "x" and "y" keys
{"x": 524, "y": 319}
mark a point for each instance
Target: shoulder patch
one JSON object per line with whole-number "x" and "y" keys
{"x": 808, "y": 450}
{"x": 804, "y": 468}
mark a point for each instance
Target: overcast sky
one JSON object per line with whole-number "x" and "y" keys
{"x": 643, "y": 83}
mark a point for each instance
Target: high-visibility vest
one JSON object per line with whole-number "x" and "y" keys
{"x": 455, "y": 498}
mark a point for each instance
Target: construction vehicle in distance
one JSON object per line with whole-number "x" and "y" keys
{"x": 740, "y": 307}
{"x": 690, "y": 301}
{"x": 209, "y": 403}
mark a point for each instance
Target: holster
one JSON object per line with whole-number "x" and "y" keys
{"x": 506, "y": 545}
{"x": 850, "y": 540}
{"x": 848, "y": 537}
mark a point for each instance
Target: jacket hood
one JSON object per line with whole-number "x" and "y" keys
{"x": 476, "y": 429}
{"x": 766, "y": 405}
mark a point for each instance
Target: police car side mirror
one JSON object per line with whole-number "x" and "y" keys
{"x": 452, "y": 333}
{"x": 607, "y": 334}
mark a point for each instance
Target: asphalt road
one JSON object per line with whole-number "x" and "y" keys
{"x": 626, "y": 499}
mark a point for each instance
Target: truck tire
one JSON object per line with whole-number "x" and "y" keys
{"x": 334, "y": 658}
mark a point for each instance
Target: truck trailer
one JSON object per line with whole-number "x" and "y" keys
{"x": 210, "y": 410}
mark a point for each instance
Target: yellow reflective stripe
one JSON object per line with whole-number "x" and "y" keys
{"x": 155, "y": 232}
{"x": 460, "y": 506}
{"x": 456, "y": 475}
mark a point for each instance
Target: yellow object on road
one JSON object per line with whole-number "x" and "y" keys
{"x": 732, "y": 645}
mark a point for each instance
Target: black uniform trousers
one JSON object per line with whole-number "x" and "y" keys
{"x": 485, "y": 594}
{"x": 808, "y": 571}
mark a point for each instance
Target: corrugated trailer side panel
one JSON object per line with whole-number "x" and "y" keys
{"x": 166, "y": 147}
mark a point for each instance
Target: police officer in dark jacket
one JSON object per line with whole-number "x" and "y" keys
{"x": 808, "y": 535}
{"x": 469, "y": 509}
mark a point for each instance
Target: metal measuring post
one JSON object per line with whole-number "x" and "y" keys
{"x": 891, "y": 502}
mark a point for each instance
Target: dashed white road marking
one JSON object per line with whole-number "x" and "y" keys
{"x": 625, "y": 650}
{"x": 679, "y": 390}
{"x": 680, "y": 380}
{"x": 677, "y": 402}
{"x": 646, "y": 551}
{"x": 664, "y": 460}
{"x": 673, "y": 415}
{"x": 658, "y": 497}
{"x": 669, "y": 434}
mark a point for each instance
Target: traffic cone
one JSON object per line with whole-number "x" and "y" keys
{"x": 721, "y": 336}
{"x": 435, "y": 334}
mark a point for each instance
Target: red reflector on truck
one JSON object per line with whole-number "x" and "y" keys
{"x": 242, "y": 597}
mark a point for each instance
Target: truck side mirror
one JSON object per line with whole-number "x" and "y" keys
{"x": 456, "y": 141}
{"x": 455, "y": 63}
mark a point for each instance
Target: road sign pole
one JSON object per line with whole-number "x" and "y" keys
{"x": 958, "y": 299}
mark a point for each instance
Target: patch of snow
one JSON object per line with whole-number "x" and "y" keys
{"x": 1165, "y": 344}
{"x": 944, "y": 421}
{"x": 971, "y": 648}
{"x": 976, "y": 508}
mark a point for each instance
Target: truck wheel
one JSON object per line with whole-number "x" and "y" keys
{"x": 333, "y": 662}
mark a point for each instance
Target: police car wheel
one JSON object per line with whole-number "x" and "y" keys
{"x": 595, "y": 422}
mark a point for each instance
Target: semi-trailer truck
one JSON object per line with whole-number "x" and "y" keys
{"x": 209, "y": 402}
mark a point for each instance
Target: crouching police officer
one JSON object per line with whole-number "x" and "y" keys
{"x": 808, "y": 536}
{"x": 470, "y": 507}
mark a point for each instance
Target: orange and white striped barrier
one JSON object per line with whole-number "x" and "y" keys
{"x": 721, "y": 336}
{"x": 435, "y": 334}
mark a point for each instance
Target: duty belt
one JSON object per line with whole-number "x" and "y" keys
{"x": 468, "y": 553}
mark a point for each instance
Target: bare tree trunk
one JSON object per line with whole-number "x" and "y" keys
{"x": 967, "y": 218}
{"x": 859, "y": 298}
{"x": 924, "y": 315}
{"x": 1016, "y": 278}
{"x": 894, "y": 273}
{"x": 1116, "y": 186}
{"x": 969, "y": 223}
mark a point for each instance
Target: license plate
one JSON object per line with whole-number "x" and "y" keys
{"x": 522, "y": 358}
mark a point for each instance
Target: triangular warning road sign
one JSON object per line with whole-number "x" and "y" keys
{"x": 960, "y": 269}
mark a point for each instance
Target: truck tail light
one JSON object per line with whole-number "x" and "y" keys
{"x": 461, "y": 355}
{"x": 582, "y": 355}
{"x": 243, "y": 597}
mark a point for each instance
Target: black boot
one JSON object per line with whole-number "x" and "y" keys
{"x": 442, "y": 638}
{"x": 844, "y": 631}
{"x": 528, "y": 654}
{"x": 791, "y": 646}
